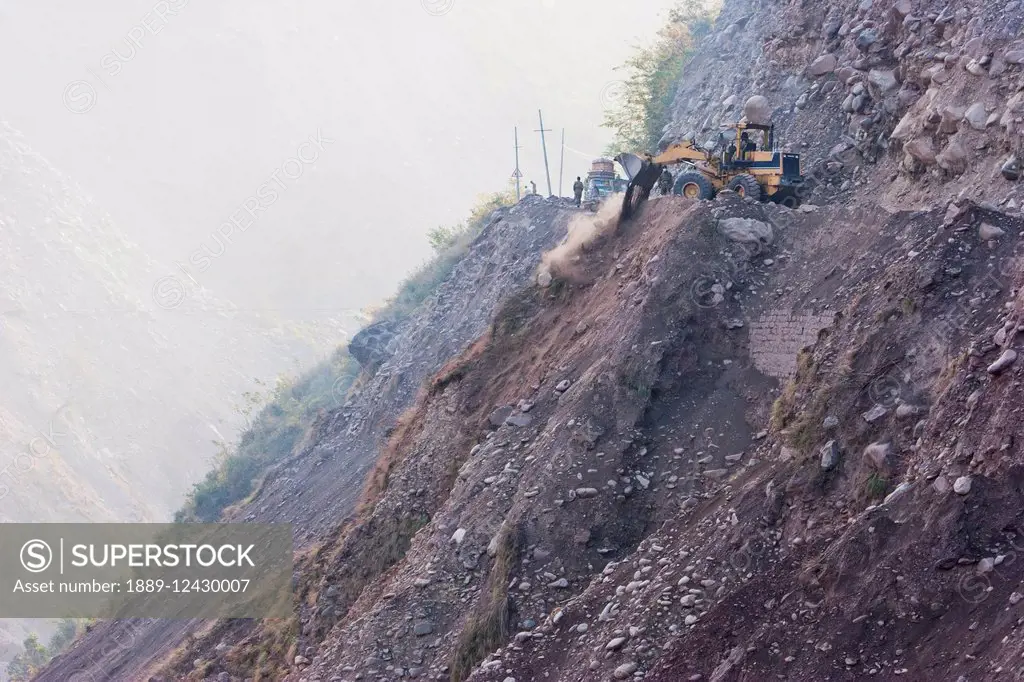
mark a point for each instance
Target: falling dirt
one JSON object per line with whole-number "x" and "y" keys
{"x": 585, "y": 230}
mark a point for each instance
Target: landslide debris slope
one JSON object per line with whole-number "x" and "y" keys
{"x": 704, "y": 499}
{"x": 318, "y": 488}
{"x": 606, "y": 484}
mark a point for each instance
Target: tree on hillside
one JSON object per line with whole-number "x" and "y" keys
{"x": 25, "y": 665}
{"x": 639, "y": 114}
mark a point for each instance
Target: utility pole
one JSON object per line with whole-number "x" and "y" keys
{"x": 561, "y": 164}
{"x": 544, "y": 146}
{"x": 517, "y": 174}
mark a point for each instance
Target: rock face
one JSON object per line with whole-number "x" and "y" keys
{"x": 324, "y": 484}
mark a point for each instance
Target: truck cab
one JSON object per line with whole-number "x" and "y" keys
{"x": 602, "y": 180}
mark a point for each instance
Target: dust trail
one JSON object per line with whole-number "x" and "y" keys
{"x": 584, "y": 230}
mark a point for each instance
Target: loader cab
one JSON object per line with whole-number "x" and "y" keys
{"x": 744, "y": 142}
{"x": 756, "y": 154}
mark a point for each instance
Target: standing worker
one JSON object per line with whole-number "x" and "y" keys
{"x": 665, "y": 182}
{"x": 577, "y": 190}
{"x": 533, "y": 186}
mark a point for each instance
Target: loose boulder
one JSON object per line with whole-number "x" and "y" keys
{"x": 746, "y": 230}
{"x": 757, "y": 110}
{"x": 921, "y": 150}
{"x": 375, "y": 344}
{"x": 976, "y": 116}
{"x": 988, "y": 231}
{"x": 884, "y": 80}
{"x": 953, "y": 157}
{"x": 1011, "y": 169}
{"x": 824, "y": 64}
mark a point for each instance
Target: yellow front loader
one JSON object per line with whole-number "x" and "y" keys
{"x": 737, "y": 162}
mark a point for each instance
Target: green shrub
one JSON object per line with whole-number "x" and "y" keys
{"x": 35, "y": 656}
{"x": 287, "y": 412}
{"x": 877, "y": 486}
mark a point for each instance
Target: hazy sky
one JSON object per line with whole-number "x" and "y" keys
{"x": 178, "y": 115}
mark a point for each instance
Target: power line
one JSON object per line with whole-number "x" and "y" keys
{"x": 561, "y": 164}
{"x": 517, "y": 174}
{"x": 544, "y": 146}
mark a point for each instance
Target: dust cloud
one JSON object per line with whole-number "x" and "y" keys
{"x": 562, "y": 262}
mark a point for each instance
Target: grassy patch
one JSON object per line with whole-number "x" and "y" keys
{"x": 488, "y": 627}
{"x": 876, "y": 486}
{"x": 784, "y": 407}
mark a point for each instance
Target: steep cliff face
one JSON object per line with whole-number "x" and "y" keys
{"x": 723, "y": 441}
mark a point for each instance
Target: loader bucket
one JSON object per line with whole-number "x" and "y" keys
{"x": 643, "y": 175}
{"x": 631, "y": 163}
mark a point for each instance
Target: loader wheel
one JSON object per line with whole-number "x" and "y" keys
{"x": 746, "y": 186}
{"x": 694, "y": 185}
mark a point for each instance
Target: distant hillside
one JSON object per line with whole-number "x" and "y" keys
{"x": 118, "y": 373}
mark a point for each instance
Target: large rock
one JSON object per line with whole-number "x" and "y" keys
{"x": 907, "y": 128}
{"x": 953, "y": 158}
{"x": 746, "y": 230}
{"x": 1014, "y": 107}
{"x": 884, "y": 80}
{"x": 877, "y": 455}
{"x": 1004, "y": 361}
{"x": 757, "y": 110}
{"x": 373, "y": 345}
{"x": 1011, "y": 169}
{"x": 988, "y": 231}
{"x": 921, "y": 150}
{"x": 498, "y": 417}
{"x": 975, "y": 68}
{"x": 976, "y": 116}
{"x": 951, "y": 117}
{"x": 824, "y": 64}
{"x": 830, "y": 456}
{"x": 866, "y": 38}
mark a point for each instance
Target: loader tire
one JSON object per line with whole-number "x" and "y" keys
{"x": 694, "y": 185}
{"x": 746, "y": 186}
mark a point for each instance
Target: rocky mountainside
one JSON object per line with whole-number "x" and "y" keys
{"x": 723, "y": 441}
